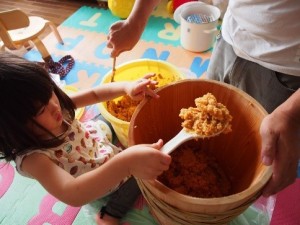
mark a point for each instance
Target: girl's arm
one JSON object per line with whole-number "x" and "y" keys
{"x": 143, "y": 161}
{"x": 135, "y": 89}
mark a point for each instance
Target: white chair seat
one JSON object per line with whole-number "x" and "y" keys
{"x": 36, "y": 26}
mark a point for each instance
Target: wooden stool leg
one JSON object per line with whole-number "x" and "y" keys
{"x": 2, "y": 48}
{"x": 42, "y": 49}
{"x": 55, "y": 31}
{"x": 27, "y": 46}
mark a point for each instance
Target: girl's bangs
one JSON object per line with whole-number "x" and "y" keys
{"x": 38, "y": 98}
{"x": 29, "y": 96}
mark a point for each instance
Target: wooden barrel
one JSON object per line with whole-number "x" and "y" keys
{"x": 237, "y": 152}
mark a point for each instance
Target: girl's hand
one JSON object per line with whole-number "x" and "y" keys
{"x": 138, "y": 89}
{"x": 146, "y": 161}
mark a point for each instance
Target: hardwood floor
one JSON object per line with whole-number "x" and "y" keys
{"x": 55, "y": 10}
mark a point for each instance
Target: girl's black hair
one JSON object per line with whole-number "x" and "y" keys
{"x": 24, "y": 87}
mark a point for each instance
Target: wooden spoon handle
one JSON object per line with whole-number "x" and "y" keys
{"x": 113, "y": 70}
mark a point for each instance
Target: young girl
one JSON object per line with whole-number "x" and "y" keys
{"x": 73, "y": 161}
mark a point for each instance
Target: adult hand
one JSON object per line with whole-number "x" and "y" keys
{"x": 280, "y": 132}
{"x": 123, "y": 36}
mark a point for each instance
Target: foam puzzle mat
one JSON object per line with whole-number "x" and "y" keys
{"x": 85, "y": 37}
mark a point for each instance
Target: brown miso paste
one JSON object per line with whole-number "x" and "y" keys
{"x": 196, "y": 172}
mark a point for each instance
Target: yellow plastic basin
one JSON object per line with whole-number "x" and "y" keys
{"x": 133, "y": 70}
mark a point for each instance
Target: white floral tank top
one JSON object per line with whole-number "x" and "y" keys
{"x": 87, "y": 146}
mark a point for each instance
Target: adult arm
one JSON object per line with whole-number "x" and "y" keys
{"x": 280, "y": 132}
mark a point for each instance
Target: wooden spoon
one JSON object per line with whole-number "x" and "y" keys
{"x": 113, "y": 70}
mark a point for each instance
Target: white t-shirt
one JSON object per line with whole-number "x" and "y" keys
{"x": 266, "y": 32}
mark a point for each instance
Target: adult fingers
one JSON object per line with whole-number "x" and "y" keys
{"x": 269, "y": 142}
{"x": 283, "y": 175}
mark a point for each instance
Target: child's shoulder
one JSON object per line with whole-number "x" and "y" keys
{"x": 30, "y": 161}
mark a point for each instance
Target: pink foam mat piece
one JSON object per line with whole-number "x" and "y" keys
{"x": 287, "y": 207}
